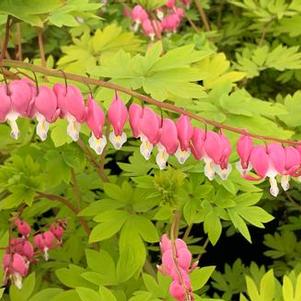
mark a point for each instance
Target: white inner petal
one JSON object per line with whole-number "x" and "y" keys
{"x": 182, "y": 156}
{"x": 42, "y": 127}
{"x": 241, "y": 170}
{"x": 162, "y": 157}
{"x": 97, "y": 145}
{"x": 17, "y": 279}
{"x": 73, "y": 127}
{"x": 285, "y": 182}
{"x": 274, "y": 190}
{"x": 146, "y": 148}
{"x": 209, "y": 168}
{"x": 117, "y": 141}
{"x": 46, "y": 255}
{"x": 12, "y": 121}
{"x": 223, "y": 173}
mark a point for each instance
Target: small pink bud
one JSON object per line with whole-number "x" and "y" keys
{"x": 135, "y": 114}
{"x": 23, "y": 227}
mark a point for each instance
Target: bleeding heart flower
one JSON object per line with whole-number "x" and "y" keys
{"x": 170, "y": 23}
{"x": 58, "y": 231}
{"x": 21, "y": 93}
{"x": 135, "y": 114}
{"x": 168, "y": 143}
{"x": 117, "y": 115}
{"x": 197, "y": 143}
{"x": 46, "y": 110}
{"x": 138, "y": 15}
{"x": 23, "y": 247}
{"x": 148, "y": 29}
{"x": 185, "y": 132}
{"x": 292, "y": 165}
{"x": 149, "y": 126}
{"x": 244, "y": 148}
{"x": 95, "y": 121}
{"x": 216, "y": 156}
{"x": 186, "y": 3}
{"x": 44, "y": 241}
{"x": 268, "y": 162}
{"x": 72, "y": 107}
{"x": 15, "y": 267}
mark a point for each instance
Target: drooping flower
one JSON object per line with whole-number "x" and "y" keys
{"x": 138, "y": 15}
{"x": 244, "y": 148}
{"x": 5, "y": 104}
{"x": 149, "y": 125}
{"x": 58, "y": 231}
{"x": 186, "y": 3}
{"x": 44, "y": 242}
{"x": 168, "y": 143}
{"x": 135, "y": 114}
{"x": 95, "y": 121}
{"x": 72, "y": 107}
{"x": 170, "y": 23}
{"x": 21, "y": 94}
{"x": 268, "y": 162}
{"x": 292, "y": 164}
{"x": 197, "y": 143}
{"x": 117, "y": 115}
{"x": 217, "y": 150}
{"x": 185, "y": 132}
{"x": 46, "y": 110}
{"x": 15, "y": 267}
{"x": 23, "y": 227}
{"x": 148, "y": 29}
{"x": 23, "y": 247}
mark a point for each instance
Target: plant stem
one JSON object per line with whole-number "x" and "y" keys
{"x": 41, "y": 47}
{"x": 103, "y": 156}
{"x": 145, "y": 98}
{"x": 6, "y": 39}
{"x": 19, "y": 42}
{"x": 187, "y": 232}
{"x": 68, "y": 204}
{"x": 202, "y": 14}
{"x": 76, "y": 191}
{"x": 149, "y": 268}
{"x": 93, "y": 161}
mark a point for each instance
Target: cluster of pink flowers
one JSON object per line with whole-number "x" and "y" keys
{"x": 21, "y": 252}
{"x": 21, "y": 98}
{"x": 165, "y": 19}
{"x": 177, "y": 263}
{"x": 269, "y": 161}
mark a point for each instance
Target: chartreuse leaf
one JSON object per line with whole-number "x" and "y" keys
{"x": 170, "y": 74}
{"x": 213, "y": 226}
{"x": 46, "y": 294}
{"x": 111, "y": 222}
{"x": 106, "y": 294}
{"x": 29, "y": 11}
{"x": 146, "y": 229}
{"x": 266, "y": 290}
{"x": 87, "y": 294}
{"x": 71, "y": 276}
{"x": 103, "y": 264}
{"x": 25, "y": 292}
{"x": 199, "y": 277}
{"x": 70, "y": 295}
{"x": 132, "y": 252}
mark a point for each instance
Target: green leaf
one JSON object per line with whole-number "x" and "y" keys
{"x": 112, "y": 221}
{"x": 106, "y": 294}
{"x": 146, "y": 229}
{"x": 46, "y": 294}
{"x": 213, "y": 227}
{"x": 239, "y": 224}
{"x": 26, "y": 291}
{"x": 86, "y": 294}
{"x": 199, "y": 277}
{"x": 70, "y": 295}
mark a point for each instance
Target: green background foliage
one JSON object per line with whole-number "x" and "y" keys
{"x": 245, "y": 72}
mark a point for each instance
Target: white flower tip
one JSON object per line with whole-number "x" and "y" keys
{"x": 117, "y": 141}
{"x": 182, "y": 156}
{"x": 285, "y": 182}
{"x": 162, "y": 158}
{"x": 274, "y": 190}
{"x": 146, "y": 149}
{"x": 209, "y": 171}
{"x": 73, "y": 129}
{"x": 97, "y": 145}
{"x": 18, "y": 280}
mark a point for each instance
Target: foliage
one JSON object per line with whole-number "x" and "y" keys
{"x": 245, "y": 72}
